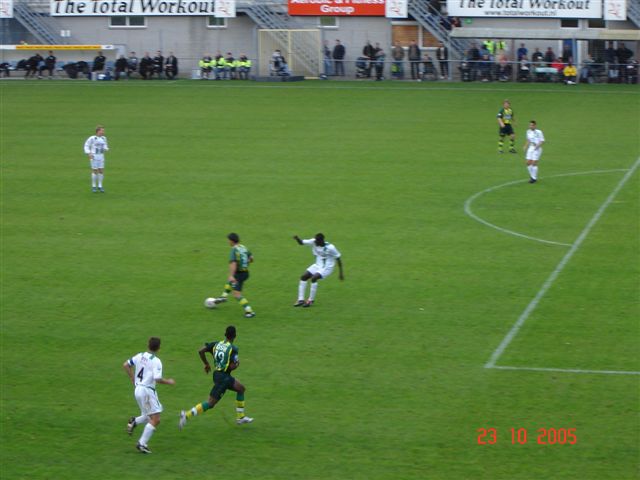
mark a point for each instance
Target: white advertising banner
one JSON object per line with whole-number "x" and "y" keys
{"x": 6, "y": 8}
{"x": 526, "y": 8}
{"x": 615, "y": 10}
{"x": 115, "y": 8}
{"x": 396, "y": 9}
{"x": 225, "y": 8}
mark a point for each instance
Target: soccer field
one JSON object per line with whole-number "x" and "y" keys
{"x": 472, "y": 299}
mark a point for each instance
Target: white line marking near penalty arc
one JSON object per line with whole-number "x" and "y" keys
{"x": 495, "y": 356}
{"x": 470, "y": 200}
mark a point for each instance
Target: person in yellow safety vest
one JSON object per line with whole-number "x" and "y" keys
{"x": 230, "y": 66}
{"x": 490, "y": 45}
{"x": 220, "y": 65}
{"x": 244, "y": 67}
{"x": 500, "y": 47}
{"x": 205, "y": 67}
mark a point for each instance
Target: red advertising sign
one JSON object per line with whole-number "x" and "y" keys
{"x": 328, "y": 8}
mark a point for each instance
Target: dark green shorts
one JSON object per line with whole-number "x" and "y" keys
{"x": 506, "y": 130}
{"x": 221, "y": 383}
{"x": 240, "y": 277}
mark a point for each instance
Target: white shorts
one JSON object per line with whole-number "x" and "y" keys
{"x": 324, "y": 271}
{"x": 147, "y": 399}
{"x": 533, "y": 153}
{"x": 97, "y": 162}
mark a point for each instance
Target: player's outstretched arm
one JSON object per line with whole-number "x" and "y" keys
{"x": 202, "y": 352}
{"x": 297, "y": 239}
{"x": 341, "y": 277}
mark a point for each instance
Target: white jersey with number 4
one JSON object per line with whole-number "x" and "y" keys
{"x": 325, "y": 256}
{"x": 96, "y": 146}
{"x": 148, "y": 369}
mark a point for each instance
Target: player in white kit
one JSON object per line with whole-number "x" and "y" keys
{"x": 94, "y": 147}
{"x": 327, "y": 255}
{"x": 145, "y": 370}
{"x": 533, "y": 149}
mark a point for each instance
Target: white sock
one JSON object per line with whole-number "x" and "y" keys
{"x": 146, "y": 434}
{"x": 94, "y": 177}
{"x": 534, "y": 172}
{"x": 100, "y": 177}
{"x": 302, "y": 286}
{"x": 313, "y": 290}
{"x": 529, "y": 170}
{"x": 141, "y": 420}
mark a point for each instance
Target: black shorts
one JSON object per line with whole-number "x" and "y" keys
{"x": 221, "y": 383}
{"x": 506, "y": 130}
{"x": 240, "y": 277}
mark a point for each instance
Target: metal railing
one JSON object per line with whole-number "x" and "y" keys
{"x": 633, "y": 11}
{"x": 431, "y": 19}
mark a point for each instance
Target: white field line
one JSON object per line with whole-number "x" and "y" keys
{"x": 470, "y": 200}
{"x": 495, "y": 356}
{"x": 567, "y": 370}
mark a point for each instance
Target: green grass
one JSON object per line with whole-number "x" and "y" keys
{"x": 384, "y": 377}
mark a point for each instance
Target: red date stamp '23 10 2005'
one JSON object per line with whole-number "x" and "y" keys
{"x": 520, "y": 436}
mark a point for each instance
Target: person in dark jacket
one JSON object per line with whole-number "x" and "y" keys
{"x": 98, "y": 62}
{"x": 146, "y": 66}
{"x": 121, "y": 66}
{"x": 32, "y": 65}
{"x": 49, "y": 64}
{"x": 338, "y": 55}
{"x": 171, "y": 66}
{"x": 158, "y": 64}
{"x": 415, "y": 57}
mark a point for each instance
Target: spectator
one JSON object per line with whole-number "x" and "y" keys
{"x": 455, "y": 22}
{"x": 5, "y": 70}
{"x": 524, "y": 69}
{"x": 632, "y": 71}
{"x": 624, "y": 55}
{"x": 537, "y": 58}
{"x": 279, "y": 64}
{"x": 504, "y": 68}
{"x": 98, "y": 62}
{"x": 326, "y": 57}
{"x": 549, "y": 56}
{"x": 415, "y": 56}
{"x": 567, "y": 53}
{"x": 230, "y": 66}
{"x": 610, "y": 57}
{"x": 369, "y": 52}
{"x": 570, "y": 73}
{"x": 338, "y": 55}
{"x": 379, "y": 62}
{"x": 428, "y": 68}
{"x": 32, "y": 64}
{"x": 587, "y": 70}
{"x": 158, "y": 65}
{"x": 473, "y": 58}
{"x": 522, "y": 52}
{"x": 220, "y": 66}
{"x": 121, "y": 66}
{"x": 442, "y": 54}
{"x": 206, "y": 67}
{"x": 146, "y": 66}
{"x": 244, "y": 67}
{"x": 49, "y": 64}
{"x": 171, "y": 66}
{"x": 397, "y": 70}
{"x": 132, "y": 64}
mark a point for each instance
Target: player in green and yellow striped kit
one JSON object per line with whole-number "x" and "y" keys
{"x": 505, "y": 120}
{"x": 225, "y": 360}
{"x": 239, "y": 261}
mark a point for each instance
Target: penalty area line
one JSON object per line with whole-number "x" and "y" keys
{"x": 495, "y": 356}
{"x": 566, "y": 370}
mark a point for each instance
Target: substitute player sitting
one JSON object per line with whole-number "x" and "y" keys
{"x": 327, "y": 255}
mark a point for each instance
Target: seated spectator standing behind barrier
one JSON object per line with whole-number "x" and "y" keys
{"x": 415, "y": 56}
{"x": 624, "y": 55}
{"x": 428, "y": 68}
{"x": 171, "y": 66}
{"x": 442, "y": 54}
{"x": 570, "y": 73}
{"x": 558, "y": 65}
{"x": 524, "y": 69}
{"x": 244, "y": 67}
{"x": 632, "y": 71}
{"x": 586, "y": 72}
{"x": 611, "y": 59}
{"x": 230, "y": 66}
{"x": 486, "y": 62}
{"x": 380, "y": 58}
{"x": 146, "y": 66}
{"x": 504, "y": 68}
{"x": 32, "y": 64}
{"x": 121, "y": 67}
{"x": 473, "y": 60}
{"x": 397, "y": 70}
{"x": 132, "y": 64}
{"x": 369, "y": 53}
{"x": 326, "y": 57}
{"x": 338, "y": 54}
{"x": 522, "y": 52}
{"x": 549, "y": 56}
{"x": 5, "y": 69}
{"x": 49, "y": 64}
{"x": 206, "y": 67}
{"x": 98, "y": 63}
{"x": 279, "y": 64}
{"x": 220, "y": 66}
{"x": 158, "y": 65}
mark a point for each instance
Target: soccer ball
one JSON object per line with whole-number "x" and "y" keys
{"x": 210, "y": 302}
